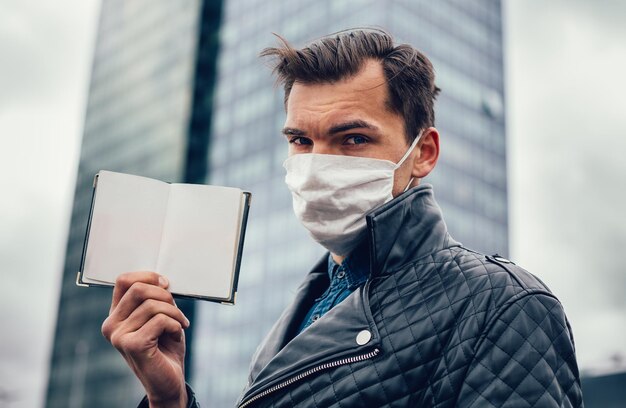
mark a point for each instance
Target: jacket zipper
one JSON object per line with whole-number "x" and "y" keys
{"x": 321, "y": 367}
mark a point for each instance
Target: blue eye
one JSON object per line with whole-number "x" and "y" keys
{"x": 298, "y": 140}
{"x": 357, "y": 139}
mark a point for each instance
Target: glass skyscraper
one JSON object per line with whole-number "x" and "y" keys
{"x": 147, "y": 114}
{"x": 464, "y": 42}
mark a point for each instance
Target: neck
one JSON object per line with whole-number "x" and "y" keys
{"x": 337, "y": 258}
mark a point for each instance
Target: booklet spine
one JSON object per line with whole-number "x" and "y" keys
{"x": 242, "y": 236}
{"x": 79, "y": 277}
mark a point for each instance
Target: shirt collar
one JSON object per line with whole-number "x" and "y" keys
{"x": 356, "y": 266}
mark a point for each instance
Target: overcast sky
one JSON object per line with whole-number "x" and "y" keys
{"x": 565, "y": 66}
{"x": 567, "y": 125}
{"x": 45, "y": 58}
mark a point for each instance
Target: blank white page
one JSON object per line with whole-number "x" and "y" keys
{"x": 200, "y": 239}
{"x": 126, "y": 226}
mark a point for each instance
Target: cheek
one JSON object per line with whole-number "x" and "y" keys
{"x": 401, "y": 179}
{"x": 295, "y": 149}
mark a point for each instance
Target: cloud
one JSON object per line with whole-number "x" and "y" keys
{"x": 41, "y": 41}
{"x": 46, "y": 54}
{"x": 566, "y": 65}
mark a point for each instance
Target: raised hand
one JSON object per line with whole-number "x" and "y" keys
{"x": 146, "y": 327}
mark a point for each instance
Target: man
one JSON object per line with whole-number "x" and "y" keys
{"x": 398, "y": 314}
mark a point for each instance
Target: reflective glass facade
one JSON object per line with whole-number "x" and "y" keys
{"x": 464, "y": 41}
{"x": 137, "y": 121}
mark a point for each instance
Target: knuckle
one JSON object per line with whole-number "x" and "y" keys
{"x": 151, "y": 306}
{"x": 150, "y": 277}
{"x": 122, "y": 279}
{"x": 106, "y": 329}
{"x": 124, "y": 344}
{"x": 161, "y": 319}
{"x": 154, "y": 277}
{"x": 136, "y": 291}
{"x": 116, "y": 341}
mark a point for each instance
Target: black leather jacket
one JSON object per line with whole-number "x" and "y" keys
{"x": 436, "y": 325}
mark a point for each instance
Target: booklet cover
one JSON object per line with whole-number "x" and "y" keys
{"x": 193, "y": 234}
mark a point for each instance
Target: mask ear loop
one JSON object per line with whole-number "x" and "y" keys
{"x": 407, "y": 186}
{"x": 408, "y": 152}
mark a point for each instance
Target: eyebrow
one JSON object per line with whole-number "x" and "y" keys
{"x": 338, "y": 128}
{"x": 287, "y": 131}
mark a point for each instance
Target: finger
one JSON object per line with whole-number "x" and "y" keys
{"x": 126, "y": 280}
{"x": 144, "y": 340}
{"x": 136, "y": 295}
{"x": 158, "y": 326}
{"x": 150, "y": 308}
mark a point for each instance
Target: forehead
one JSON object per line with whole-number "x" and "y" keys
{"x": 362, "y": 96}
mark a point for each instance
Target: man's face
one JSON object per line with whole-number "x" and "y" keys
{"x": 350, "y": 118}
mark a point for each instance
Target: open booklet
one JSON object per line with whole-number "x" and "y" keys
{"x": 193, "y": 234}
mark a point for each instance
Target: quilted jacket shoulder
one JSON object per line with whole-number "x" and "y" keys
{"x": 476, "y": 330}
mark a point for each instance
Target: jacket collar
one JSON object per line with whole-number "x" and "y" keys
{"x": 287, "y": 325}
{"x": 405, "y": 229}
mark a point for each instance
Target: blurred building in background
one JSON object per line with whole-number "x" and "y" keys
{"x": 153, "y": 110}
{"x": 605, "y": 389}
{"x": 148, "y": 113}
{"x": 464, "y": 41}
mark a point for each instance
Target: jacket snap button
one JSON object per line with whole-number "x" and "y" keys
{"x": 363, "y": 337}
{"x": 501, "y": 259}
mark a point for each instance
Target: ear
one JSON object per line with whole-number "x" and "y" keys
{"x": 427, "y": 153}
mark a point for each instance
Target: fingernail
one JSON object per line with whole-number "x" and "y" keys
{"x": 163, "y": 282}
{"x": 187, "y": 321}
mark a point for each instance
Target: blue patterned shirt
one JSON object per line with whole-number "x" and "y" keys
{"x": 344, "y": 279}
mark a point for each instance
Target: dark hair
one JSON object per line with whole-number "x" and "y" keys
{"x": 409, "y": 74}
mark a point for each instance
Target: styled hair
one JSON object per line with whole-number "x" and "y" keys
{"x": 409, "y": 74}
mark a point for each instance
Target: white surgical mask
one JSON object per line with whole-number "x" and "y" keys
{"x": 332, "y": 193}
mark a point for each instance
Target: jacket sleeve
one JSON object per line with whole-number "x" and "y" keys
{"x": 525, "y": 358}
{"x": 191, "y": 402}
